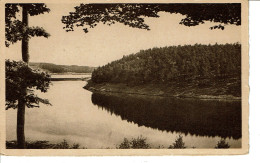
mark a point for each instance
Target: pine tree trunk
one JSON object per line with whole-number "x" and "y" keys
{"x": 20, "y": 122}
{"x": 25, "y": 40}
{"x": 21, "y": 101}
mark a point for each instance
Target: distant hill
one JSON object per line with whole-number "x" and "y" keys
{"x": 53, "y": 68}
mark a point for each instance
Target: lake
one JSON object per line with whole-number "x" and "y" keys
{"x": 104, "y": 120}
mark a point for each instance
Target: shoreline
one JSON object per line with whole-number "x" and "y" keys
{"x": 151, "y": 90}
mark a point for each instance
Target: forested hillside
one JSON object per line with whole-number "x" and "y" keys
{"x": 214, "y": 68}
{"x": 173, "y": 63}
{"x": 53, "y": 68}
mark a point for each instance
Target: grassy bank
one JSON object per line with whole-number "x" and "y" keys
{"x": 221, "y": 89}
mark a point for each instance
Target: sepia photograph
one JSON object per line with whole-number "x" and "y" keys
{"x": 108, "y": 78}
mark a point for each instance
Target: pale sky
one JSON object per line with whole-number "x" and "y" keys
{"x": 105, "y": 43}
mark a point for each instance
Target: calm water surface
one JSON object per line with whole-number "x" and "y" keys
{"x": 101, "y": 121}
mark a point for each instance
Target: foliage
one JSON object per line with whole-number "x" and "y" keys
{"x": 125, "y": 144}
{"x": 174, "y": 63}
{"x": 222, "y": 144}
{"x": 65, "y": 145}
{"x": 178, "y": 144}
{"x": 132, "y": 15}
{"x": 20, "y": 76}
{"x": 43, "y": 145}
{"x": 135, "y": 143}
{"x": 15, "y": 30}
{"x": 53, "y": 68}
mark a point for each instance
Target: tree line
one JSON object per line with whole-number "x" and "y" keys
{"x": 167, "y": 64}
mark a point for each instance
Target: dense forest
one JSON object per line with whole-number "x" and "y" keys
{"x": 197, "y": 71}
{"x": 167, "y": 64}
{"x": 53, "y": 68}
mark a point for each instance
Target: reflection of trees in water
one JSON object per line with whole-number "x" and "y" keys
{"x": 197, "y": 117}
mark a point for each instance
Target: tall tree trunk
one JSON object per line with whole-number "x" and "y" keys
{"x": 25, "y": 40}
{"x": 21, "y": 120}
{"x": 21, "y": 101}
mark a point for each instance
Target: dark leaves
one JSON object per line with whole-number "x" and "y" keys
{"x": 135, "y": 143}
{"x": 37, "y": 31}
{"x": 218, "y": 27}
{"x": 178, "y": 144}
{"x": 18, "y": 76}
{"x": 15, "y": 30}
{"x": 132, "y": 15}
{"x": 222, "y": 144}
{"x": 90, "y": 15}
{"x": 32, "y": 8}
{"x": 36, "y": 8}
{"x": 34, "y": 101}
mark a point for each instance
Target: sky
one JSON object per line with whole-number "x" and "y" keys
{"x": 104, "y": 43}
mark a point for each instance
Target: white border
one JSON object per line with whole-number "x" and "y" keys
{"x": 151, "y": 152}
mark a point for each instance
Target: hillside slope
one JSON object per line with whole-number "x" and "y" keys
{"x": 210, "y": 71}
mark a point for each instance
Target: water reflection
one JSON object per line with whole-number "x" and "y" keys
{"x": 196, "y": 117}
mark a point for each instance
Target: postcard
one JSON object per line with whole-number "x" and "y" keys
{"x": 102, "y": 78}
